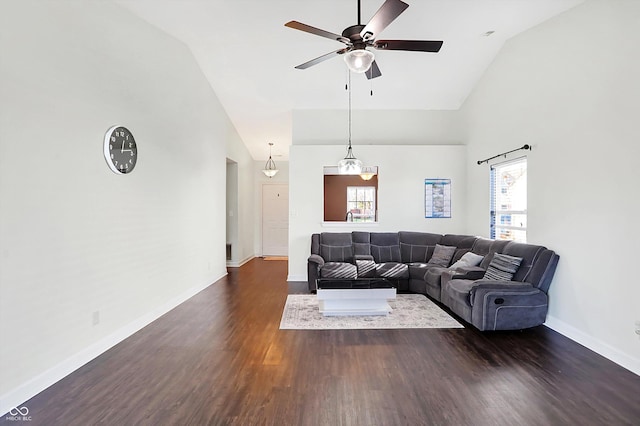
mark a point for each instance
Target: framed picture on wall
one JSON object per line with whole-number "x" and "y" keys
{"x": 437, "y": 198}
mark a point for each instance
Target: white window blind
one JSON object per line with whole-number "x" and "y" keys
{"x": 509, "y": 200}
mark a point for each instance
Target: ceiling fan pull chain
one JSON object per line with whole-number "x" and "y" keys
{"x": 346, "y": 80}
{"x": 370, "y": 81}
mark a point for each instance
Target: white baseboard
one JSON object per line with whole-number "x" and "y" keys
{"x": 293, "y": 277}
{"x": 624, "y": 360}
{"x": 17, "y": 396}
{"x": 234, "y": 264}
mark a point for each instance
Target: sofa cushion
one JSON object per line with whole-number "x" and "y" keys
{"x": 383, "y": 254}
{"x": 411, "y": 253}
{"x": 502, "y": 267}
{"x": 336, "y": 253}
{"x": 442, "y": 255}
{"x": 392, "y": 270}
{"x": 417, "y": 269}
{"x": 468, "y": 259}
{"x": 338, "y": 270}
{"x": 366, "y": 268}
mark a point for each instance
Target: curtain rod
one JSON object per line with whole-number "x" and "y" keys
{"x": 525, "y": 146}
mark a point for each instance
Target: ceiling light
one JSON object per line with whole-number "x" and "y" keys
{"x": 349, "y": 165}
{"x": 359, "y": 60}
{"x": 368, "y": 172}
{"x": 270, "y": 168}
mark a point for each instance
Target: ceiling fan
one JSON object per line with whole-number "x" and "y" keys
{"x": 359, "y": 37}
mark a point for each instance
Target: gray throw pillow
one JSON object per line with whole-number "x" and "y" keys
{"x": 442, "y": 255}
{"x": 502, "y": 267}
{"x": 468, "y": 260}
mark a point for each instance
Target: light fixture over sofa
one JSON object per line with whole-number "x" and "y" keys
{"x": 349, "y": 165}
{"x": 270, "y": 168}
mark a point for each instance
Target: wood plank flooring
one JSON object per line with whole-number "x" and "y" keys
{"x": 220, "y": 359}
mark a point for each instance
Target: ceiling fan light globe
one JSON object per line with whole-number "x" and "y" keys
{"x": 359, "y": 60}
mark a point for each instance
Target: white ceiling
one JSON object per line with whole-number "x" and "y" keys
{"x": 248, "y": 55}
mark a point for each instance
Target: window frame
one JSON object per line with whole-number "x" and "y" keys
{"x": 353, "y": 204}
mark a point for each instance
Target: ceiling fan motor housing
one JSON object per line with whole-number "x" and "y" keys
{"x": 353, "y": 34}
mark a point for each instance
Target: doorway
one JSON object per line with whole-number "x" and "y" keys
{"x": 275, "y": 220}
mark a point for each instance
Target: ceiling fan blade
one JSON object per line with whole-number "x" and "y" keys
{"x": 411, "y": 45}
{"x": 317, "y": 31}
{"x": 321, "y": 58}
{"x": 373, "y": 72}
{"x": 388, "y": 12}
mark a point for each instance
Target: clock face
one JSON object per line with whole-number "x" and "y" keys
{"x": 120, "y": 150}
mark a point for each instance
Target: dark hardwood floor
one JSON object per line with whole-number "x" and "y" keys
{"x": 221, "y": 359}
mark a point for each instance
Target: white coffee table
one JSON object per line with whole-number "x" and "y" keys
{"x": 352, "y": 301}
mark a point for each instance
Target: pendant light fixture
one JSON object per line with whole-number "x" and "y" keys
{"x": 270, "y": 168}
{"x": 349, "y": 165}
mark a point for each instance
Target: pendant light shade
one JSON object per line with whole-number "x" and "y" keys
{"x": 270, "y": 169}
{"x": 368, "y": 172}
{"x": 359, "y": 60}
{"x": 350, "y": 165}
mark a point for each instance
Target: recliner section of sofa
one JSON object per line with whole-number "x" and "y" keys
{"x": 421, "y": 262}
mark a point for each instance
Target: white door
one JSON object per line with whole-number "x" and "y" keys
{"x": 275, "y": 220}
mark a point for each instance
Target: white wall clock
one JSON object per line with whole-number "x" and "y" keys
{"x": 120, "y": 150}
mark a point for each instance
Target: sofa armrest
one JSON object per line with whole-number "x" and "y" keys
{"x": 317, "y": 259}
{"x": 507, "y": 305}
{"x": 468, "y": 273}
{"x": 471, "y": 273}
{"x": 482, "y": 287}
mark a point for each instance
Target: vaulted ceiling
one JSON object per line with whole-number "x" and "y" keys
{"x": 248, "y": 55}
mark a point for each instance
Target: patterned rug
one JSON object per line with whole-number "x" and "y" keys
{"x": 301, "y": 312}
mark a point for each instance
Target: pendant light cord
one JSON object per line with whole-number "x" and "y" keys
{"x": 349, "y": 110}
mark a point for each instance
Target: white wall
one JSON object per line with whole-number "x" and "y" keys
{"x": 570, "y": 88}
{"x": 75, "y": 237}
{"x": 377, "y": 127}
{"x": 402, "y": 171}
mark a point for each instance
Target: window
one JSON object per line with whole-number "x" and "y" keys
{"x": 509, "y": 200}
{"x": 361, "y": 203}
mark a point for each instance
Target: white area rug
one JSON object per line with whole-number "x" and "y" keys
{"x": 301, "y": 312}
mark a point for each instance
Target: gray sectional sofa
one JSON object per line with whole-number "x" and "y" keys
{"x": 491, "y": 284}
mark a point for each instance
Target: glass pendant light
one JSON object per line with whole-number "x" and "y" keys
{"x": 349, "y": 165}
{"x": 270, "y": 168}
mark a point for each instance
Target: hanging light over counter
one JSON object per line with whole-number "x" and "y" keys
{"x": 349, "y": 165}
{"x": 270, "y": 169}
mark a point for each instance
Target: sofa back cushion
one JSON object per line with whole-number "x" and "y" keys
{"x": 415, "y": 253}
{"x": 382, "y": 254}
{"x": 361, "y": 243}
{"x": 538, "y": 264}
{"x": 417, "y": 247}
{"x": 336, "y": 253}
{"x": 530, "y": 254}
{"x": 384, "y": 239}
{"x": 459, "y": 241}
{"x": 496, "y": 246}
{"x": 333, "y": 246}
